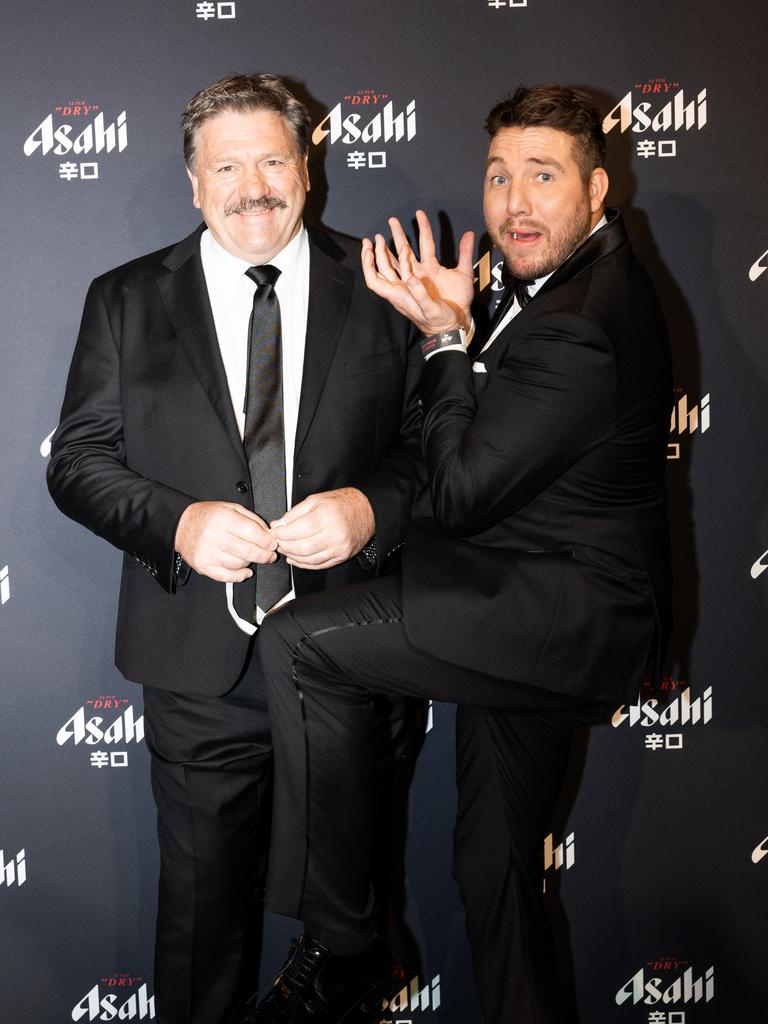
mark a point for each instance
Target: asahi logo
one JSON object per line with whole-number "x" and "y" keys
{"x": 681, "y": 710}
{"x": 45, "y": 446}
{"x": 561, "y": 856}
{"x": 413, "y": 998}
{"x": 651, "y": 985}
{"x": 687, "y": 418}
{"x": 13, "y": 870}
{"x": 367, "y": 117}
{"x": 759, "y": 267}
{"x": 758, "y": 567}
{"x": 111, "y": 999}
{"x": 56, "y": 135}
{"x": 657, "y": 107}
{"x": 115, "y": 724}
{"x": 656, "y": 110}
{"x": 83, "y": 727}
{"x": 488, "y": 274}
{"x": 557, "y": 858}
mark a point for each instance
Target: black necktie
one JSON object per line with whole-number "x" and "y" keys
{"x": 264, "y": 437}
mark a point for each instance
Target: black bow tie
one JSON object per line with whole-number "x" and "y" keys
{"x": 514, "y": 288}
{"x": 518, "y": 285}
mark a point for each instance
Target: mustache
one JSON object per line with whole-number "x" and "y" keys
{"x": 523, "y": 225}
{"x": 249, "y": 205}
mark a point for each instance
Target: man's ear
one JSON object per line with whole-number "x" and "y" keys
{"x": 598, "y": 188}
{"x": 193, "y": 179}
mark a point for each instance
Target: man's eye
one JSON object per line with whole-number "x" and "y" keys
{"x": 498, "y": 179}
{"x": 274, "y": 163}
{"x": 226, "y": 168}
{"x": 545, "y": 176}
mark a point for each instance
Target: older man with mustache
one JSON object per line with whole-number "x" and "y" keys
{"x": 243, "y": 375}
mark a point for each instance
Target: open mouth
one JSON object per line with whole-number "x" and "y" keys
{"x": 524, "y": 237}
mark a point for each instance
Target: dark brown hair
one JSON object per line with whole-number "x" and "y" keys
{"x": 555, "y": 106}
{"x": 243, "y": 93}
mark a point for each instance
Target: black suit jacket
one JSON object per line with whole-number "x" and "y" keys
{"x": 147, "y": 427}
{"x": 547, "y": 562}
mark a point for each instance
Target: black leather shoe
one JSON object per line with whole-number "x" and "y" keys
{"x": 318, "y": 987}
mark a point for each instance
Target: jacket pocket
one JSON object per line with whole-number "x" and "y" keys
{"x": 377, "y": 361}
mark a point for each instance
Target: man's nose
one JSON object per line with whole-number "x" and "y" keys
{"x": 256, "y": 182}
{"x": 518, "y": 200}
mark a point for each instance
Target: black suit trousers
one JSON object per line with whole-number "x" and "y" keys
{"x": 323, "y": 657}
{"x": 212, "y": 783}
{"x": 211, "y": 779}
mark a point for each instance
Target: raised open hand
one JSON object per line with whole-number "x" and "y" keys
{"x": 434, "y": 297}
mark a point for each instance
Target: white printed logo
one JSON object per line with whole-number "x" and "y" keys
{"x": 5, "y": 585}
{"x": 13, "y": 871}
{"x": 356, "y": 129}
{"x": 687, "y": 419}
{"x": 759, "y": 267}
{"x": 224, "y": 11}
{"x": 96, "y": 136}
{"x": 139, "y": 1005}
{"x": 557, "y": 857}
{"x": 45, "y": 447}
{"x": 563, "y": 855}
{"x": 674, "y": 113}
{"x": 488, "y": 273}
{"x": 74, "y": 140}
{"x": 93, "y": 731}
{"x": 679, "y": 711}
{"x": 411, "y": 999}
{"x": 760, "y": 851}
{"x": 759, "y": 567}
{"x": 654, "y": 989}
{"x": 384, "y": 126}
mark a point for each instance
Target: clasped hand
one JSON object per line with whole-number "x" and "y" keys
{"x": 221, "y": 539}
{"x": 435, "y": 298}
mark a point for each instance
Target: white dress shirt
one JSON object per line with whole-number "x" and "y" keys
{"x": 231, "y": 296}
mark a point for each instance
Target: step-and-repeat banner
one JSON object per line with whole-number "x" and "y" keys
{"x": 656, "y": 869}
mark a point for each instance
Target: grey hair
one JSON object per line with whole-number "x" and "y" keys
{"x": 244, "y": 93}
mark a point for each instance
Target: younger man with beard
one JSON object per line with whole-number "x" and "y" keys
{"x": 536, "y": 597}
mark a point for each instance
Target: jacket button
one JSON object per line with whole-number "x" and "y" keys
{"x": 242, "y": 486}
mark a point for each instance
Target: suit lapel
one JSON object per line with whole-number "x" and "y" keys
{"x": 330, "y": 292}
{"x": 609, "y": 238}
{"x": 606, "y": 240}
{"x": 185, "y": 297}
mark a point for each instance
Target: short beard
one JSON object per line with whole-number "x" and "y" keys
{"x": 567, "y": 241}
{"x": 249, "y": 205}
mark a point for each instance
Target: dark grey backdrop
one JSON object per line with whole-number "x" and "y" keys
{"x": 662, "y": 876}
